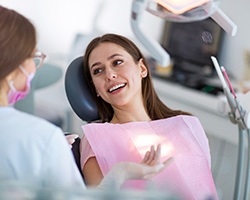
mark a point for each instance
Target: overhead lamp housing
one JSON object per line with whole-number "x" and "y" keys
{"x": 178, "y": 11}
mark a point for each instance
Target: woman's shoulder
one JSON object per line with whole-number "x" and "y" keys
{"x": 189, "y": 117}
{"x": 28, "y": 123}
{"x": 36, "y": 119}
{"x": 179, "y": 117}
{"x": 23, "y": 128}
{"x": 187, "y": 120}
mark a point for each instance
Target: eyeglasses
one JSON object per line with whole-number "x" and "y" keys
{"x": 39, "y": 59}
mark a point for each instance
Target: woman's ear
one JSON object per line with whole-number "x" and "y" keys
{"x": 12, "y": 75}
{"x": 97, "y": 94}
{"x": 144, "y": 70}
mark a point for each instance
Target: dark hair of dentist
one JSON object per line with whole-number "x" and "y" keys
{"x": 155, "y": 108}
{"x": 32, "y": 150}
{"x": 18, "y": 41}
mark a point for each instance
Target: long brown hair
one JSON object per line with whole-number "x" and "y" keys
{"x": 17, "y": 40}
{"x": 154, "y": 106}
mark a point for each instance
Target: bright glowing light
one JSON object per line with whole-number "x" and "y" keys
{"x": 143, "y": 143}
{"x": 180, "y": 6}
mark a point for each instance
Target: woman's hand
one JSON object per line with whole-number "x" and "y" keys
{"x": 148, "y": 168}
{"x": 71, "y": 138}
{"x": 152, "y": 157}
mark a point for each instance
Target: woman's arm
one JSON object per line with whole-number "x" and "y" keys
{"x": 92, "y": 173}
{"x": 149, "y": 167}
{"x": 123, "y": 171}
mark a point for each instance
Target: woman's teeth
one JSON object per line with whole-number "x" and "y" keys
{"x": 116, "y": 87}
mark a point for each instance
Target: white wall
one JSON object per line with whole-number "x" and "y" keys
{"x": 57, "y": 21}
{"x": 234, "y": 47}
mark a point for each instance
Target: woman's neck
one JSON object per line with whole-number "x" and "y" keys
{"x": 124, "y": 115}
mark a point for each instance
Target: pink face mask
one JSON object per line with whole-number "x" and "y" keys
{"x": 15, "y": 95}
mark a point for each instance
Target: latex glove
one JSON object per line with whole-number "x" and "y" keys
{"x": 149, "y": 167}
{"x": 71, "y": 138}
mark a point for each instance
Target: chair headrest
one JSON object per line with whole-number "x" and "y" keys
{"x": 78, "y": 92}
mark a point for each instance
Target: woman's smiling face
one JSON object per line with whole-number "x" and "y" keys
{"x": 116, "y": 76}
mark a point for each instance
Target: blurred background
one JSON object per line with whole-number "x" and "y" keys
{"x": 65, "y": 27}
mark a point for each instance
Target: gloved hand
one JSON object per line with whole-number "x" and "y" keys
{"x": 71, "y": 138}
{"x": 149, "y": 167}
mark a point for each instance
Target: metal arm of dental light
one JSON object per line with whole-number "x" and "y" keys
{"x": 154, "y": 48}
{"x": 224, "y": 21}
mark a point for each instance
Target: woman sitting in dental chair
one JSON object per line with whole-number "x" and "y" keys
{"x": 34, "y": 151}
{"x": 133, "y": 118}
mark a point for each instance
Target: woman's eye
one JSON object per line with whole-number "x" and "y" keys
{"x": 117, "y": 62}
{"x": 97, "y": 71}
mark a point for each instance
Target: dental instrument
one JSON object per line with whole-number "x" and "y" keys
{"x": 238, "y": 115}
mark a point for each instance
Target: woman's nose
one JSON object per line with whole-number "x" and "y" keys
{"x": 110, "y": 74}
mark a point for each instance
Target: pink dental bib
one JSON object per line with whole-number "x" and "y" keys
{"x": 181, "y": 137}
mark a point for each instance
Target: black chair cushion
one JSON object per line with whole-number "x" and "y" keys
{"x": 78, "y": 92}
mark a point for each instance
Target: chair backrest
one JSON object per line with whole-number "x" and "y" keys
{"x": 78, "y": 92}
{"x": 80, "y": 99}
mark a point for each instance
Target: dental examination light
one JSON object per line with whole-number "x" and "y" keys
{"x": 176, "y": 11}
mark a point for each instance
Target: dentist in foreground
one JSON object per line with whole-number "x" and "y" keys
{"x": 32, "y": 150}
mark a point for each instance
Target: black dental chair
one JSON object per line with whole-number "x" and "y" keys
{"x": 80, "y": 99}
{"x": 78, "y": 93}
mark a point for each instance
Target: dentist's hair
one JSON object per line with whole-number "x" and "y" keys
{"x": 155, "y": 108}
{"x": 17, "y": 40}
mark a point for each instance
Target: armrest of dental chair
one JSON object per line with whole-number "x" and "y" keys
{"x": 76, "y": 153}
{"x": 78, "y": 92}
